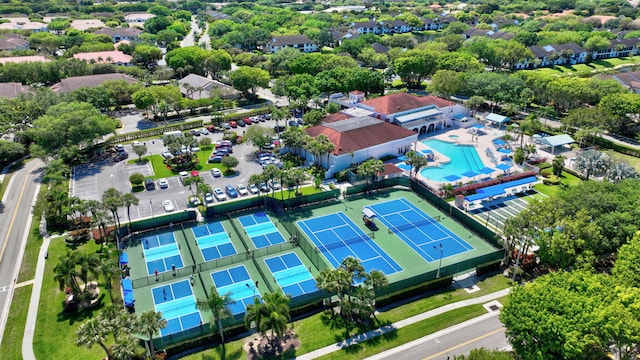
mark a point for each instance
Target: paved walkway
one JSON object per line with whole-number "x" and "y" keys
{"x": 402, "y": 323}
{"x": 27, "y": 339}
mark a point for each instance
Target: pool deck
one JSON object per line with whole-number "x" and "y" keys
{"x": 480, "y": 142}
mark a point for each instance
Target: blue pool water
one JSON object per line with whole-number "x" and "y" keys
{"x": 463, "y": 158}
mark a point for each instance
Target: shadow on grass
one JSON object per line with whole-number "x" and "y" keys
{"x": 224, "y": 354}
{"x": 81, "y": 314}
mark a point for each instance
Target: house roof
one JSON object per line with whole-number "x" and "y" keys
{"x": 11, "y": 43}
{"x": 418, "y": 115}
{"x": 476, "y": 32}
{"x": 86, "y": 24}
{"x": 365, "y": 25}
{"x": 290, "y": 40}
{"x": 389, "y": 169}
{"x": 556, "y": 140}
{"x": 11, "y": 90}
{"x": 24, "y": 59}
{"x": 122, "y": 31}
{"x": 497, "y": 118}
{"x": 102, "y": 56}
{"x": 627, "y": 79}
{"x": 501, "y": 35}
{"x": 335, "y": 117}
{"x": 395, "y": 23}
{"x": 379, "y": 48}
{"x": 359, "y": 133}
{"x": 395, "y": 103}
{"x": 138, "y": 16}
{"x": 72, "y": 83}
{"x": 542, "y": 51}
{"x": 207, "y": 85}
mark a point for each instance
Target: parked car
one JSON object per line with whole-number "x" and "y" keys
{"x": 194, "y": 200}
{"x": 263, "y": 187}
{"x": 166, "y": 154}
{"x": 233, "y": 124}
{"x": 119, "y": 148}
{"x": 163, "y": 183}
{"x": 215, "y": 158}
{"x": 293, "y": 123}
{"x": 231, "y": 191}
{"x": 195, "y": 132}
{"x": 300, "y": 122}
{"x": 247, "y": 121}
{"x": 204, "y": 131}
{"x": 195, "y": 173}
{"x": 183, "y": 176}
{"x": 168, "y": 206}
{"x": 226, "y": 125}
{"x": 255, "y": 119}
{"x": 208, "y": 198}
{"x": 135, "y": 143}
{"x": 195, "y": 149}
{"x": 253, "y": 189}
{"x": 279, "y": 128}
{"x": 149, "y": 184}
{"x": 216, "y": 172}
{"x": 262, "y": 118}
{"x": 121, "y": 156}
{"x": 241, "y": 123}
{"x": 242, "y": 190}
{"x": 274, "y": 184}
{"x": 219, "y": 194}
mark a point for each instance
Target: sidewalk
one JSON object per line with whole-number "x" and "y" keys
{"x": 400, "y": 324}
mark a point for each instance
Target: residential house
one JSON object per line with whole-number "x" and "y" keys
{"x": 195, "y": 87}
{"x": 630, "y": 80}
{"x": 300, "y": 42}
{"x": 551, "y": 55}
{"x": 430, "y": 24}
{"x": 11, "y": 42}
{"x": 23, "y": 59}
{"x": 395, "y": 27}
{"x": 120, "y": 33}
{"x": 12, "y": 90}
{"x": 379, "y": 48}
{"x": 369, "y": 27}
{"x": 489, "y": 33}
{"x": 87, "y": 24}
{"x": 338, "y": 36}
{"x": 137, "y": 18}
{"x": 76, "y": 82}
{"x": 23, "y": 23}
{"x": 106, "y": 57}
{"x": 618, "y": 48}
{"x": 50, "y": 17}
{"x": 217, "y": 15}
{"x": 358, "y": 139}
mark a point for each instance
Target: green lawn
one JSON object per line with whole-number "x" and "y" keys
{"x": 598, "y": 65}
{"x": 161, "y": 170}
{"x": 55, "y": 333}
{"x": 631, "y": 160}
{"x": 550, "y": 190}
{"x": 30, "y": 257}
{"x": 14, "y": 330}
{"x": 315, "y": 331}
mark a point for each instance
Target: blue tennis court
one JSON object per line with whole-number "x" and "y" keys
{"x": 291, "y": 274}
{"x": 338, "y": 237}
{"x": 261, "y": 230}
{"x": 213, "y": 241}
{"x": 161, "y": 253}
{"x": 236, "y": 282}
{"x": 420, "y": 231}
{"x": 177, "y": 305}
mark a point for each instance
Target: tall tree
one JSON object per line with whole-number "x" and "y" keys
{"x": 277, "y": 315}
{"x": 218, "y": 306}
{"x": 149, "y": 323}
{"x": 93, "y": 332}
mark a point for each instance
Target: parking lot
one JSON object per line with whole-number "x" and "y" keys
{"x": 90, "y": 181}
{"x": 497, "y": 212}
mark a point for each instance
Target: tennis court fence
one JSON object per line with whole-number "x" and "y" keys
{"x": 418, "y": 224}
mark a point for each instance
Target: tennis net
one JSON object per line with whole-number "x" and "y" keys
{"x": 421, "y": 223}
{"x": 343, "y": 242}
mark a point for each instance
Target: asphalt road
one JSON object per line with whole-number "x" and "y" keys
{"x": 454, "y": 341}
{"x": 15, "y": 220}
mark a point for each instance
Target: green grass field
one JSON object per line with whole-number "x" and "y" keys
{"x": 594, "y": 66}
{"x": 551, "y": 190}
{"x": 14, "y": 330}
{"x": 631, "y": 160}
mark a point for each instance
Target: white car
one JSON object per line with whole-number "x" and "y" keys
{"x": 167, "y": 154}
{"x": 183, "y": 176}
{"x": 219, "y": 194}
{"x": 168, "y": 206}
{"x": 163, "y": 183}
{"x": 208, "y": 198}
{"x": 242, "y": 190}
{"x": 194, "y": 149}
{"x": 135, "y": 143}
{"x": 274, "y": 185}
{"x": 253, "y": 189}
{"x": 204, "y": 131}
{"x": 216, "y": 172}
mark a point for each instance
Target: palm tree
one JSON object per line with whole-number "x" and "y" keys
{"x": 129, "y": 199}
{"x": 416, "y": 161}
{"x": 325, "y": 146}
{"x": 277, "y": 315}
{"x": 219, "y": 308}
{"x": 370, "y": 168}
{"x": 620, "y": 171}
{"x": 355, "y": 270}
{"x": 255, "y": 314}
{"x": 88, "y": 267}
{"x": 108, "y": 268}
{"x": 93, "y": 332}
{"x": 112, "y": 200}
{"x": 149, "y": 323}
{"x": 376, "y": 280}
{"x": 56, "y": 172}
{"x": 336, "y": 281}
{"x": 66, "y": 272}
{"x": 125, "y": 348}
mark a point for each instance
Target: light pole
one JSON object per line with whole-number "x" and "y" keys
{"x": 440, "y": 263}
{"x": 151, "y": 206}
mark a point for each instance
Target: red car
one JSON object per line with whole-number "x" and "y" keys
{"x": 233, "y": 124}
{"x": 247, "y": 121}
{"x": 195, "y": 173}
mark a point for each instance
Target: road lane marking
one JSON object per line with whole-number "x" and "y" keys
{"x": 13, "y": 217}
{"x": 471, "y": 341}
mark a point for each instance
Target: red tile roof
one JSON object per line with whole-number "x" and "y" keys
{"x": 389, "y": 169}
{"x": 335, "y": 117}
{"x": 357, "y": 138}
{"x": 395, "y": 103}
{"x": 113, "y": 57}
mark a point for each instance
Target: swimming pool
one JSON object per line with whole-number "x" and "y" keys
{"x": 463, "y": 158}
